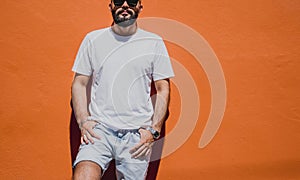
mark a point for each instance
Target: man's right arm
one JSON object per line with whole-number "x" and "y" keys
{"x": 79, "y": 100}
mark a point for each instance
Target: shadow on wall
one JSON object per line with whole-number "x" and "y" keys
{"x": 110, "y": 172}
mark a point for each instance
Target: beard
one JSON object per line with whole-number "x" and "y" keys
{"x": 125, "y": 21}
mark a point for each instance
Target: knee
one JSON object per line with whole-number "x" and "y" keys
{"x": 87, "y": 170}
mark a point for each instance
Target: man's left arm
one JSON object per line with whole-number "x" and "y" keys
{"x": 161, "y": 103}
{"x": 160, "y": 111}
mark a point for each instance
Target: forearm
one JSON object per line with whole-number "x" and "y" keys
{"x": 160, "y": 109}
{"x": 79, "y": 101}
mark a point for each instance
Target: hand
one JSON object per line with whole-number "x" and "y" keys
{"x": 87, "y": 132}
{"x": 143, "y": 148}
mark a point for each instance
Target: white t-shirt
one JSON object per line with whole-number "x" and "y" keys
{"x": 122, "y": 68}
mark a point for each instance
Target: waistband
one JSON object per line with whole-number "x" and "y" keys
{"x": 119, "y": 132}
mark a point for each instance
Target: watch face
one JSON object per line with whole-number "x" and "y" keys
{"x": 156, "y": 135}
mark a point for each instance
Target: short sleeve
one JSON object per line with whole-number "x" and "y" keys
{"x": 82, "y": 64}
{"x": 162, "y": 68}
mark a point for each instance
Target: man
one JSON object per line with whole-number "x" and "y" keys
{"x": 118, "y": 121}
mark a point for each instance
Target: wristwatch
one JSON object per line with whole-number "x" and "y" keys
{"x": 154, "y": 133}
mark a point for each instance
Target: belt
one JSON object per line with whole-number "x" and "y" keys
{"x": 120, "y": 132}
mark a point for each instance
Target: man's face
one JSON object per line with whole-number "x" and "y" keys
{"x": 124, "y": 14}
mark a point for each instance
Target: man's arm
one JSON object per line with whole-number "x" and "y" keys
{"x": 160, "y": 111}
{"x": 161, "y": 103}
{"x": 79, "y": 101}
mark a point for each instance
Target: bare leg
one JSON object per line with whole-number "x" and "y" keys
{"x": 87, "y": 170}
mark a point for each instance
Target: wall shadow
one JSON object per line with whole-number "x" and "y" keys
{"x": 110, "y": 173}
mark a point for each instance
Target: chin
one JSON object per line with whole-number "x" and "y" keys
{"x": 126, "y": 23}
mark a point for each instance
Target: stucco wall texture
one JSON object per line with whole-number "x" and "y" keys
{"x": 258, "y": 46}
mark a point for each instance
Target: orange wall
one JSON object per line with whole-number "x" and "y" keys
{"x": 257, "y": 43}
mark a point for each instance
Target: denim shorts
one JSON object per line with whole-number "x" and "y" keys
{"x": 115, "y": 145}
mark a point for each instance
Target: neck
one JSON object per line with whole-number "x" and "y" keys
{"x": 124, "y": 31}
